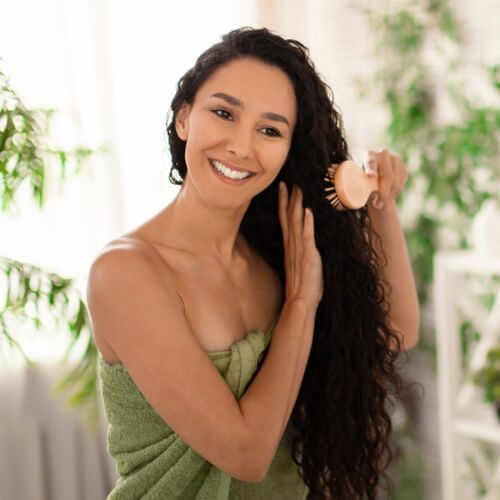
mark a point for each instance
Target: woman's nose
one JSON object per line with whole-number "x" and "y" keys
{"x": 240, "y": 143}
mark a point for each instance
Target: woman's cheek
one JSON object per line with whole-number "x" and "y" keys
{"x": 282, "y": 155}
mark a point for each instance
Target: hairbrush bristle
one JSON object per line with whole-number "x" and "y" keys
{"x": 331, "y": 192}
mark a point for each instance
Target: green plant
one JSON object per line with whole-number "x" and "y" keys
{"x": 34, "y": 295}
{"x": 25, "y": 153}
{"x": 488, "y": 377}
{"x": 474, "y": 471}
{"x": 409, "y": 461}
{"x": 453, "y": 167}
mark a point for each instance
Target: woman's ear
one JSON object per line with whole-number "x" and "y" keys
{"x": 182, "y": 121}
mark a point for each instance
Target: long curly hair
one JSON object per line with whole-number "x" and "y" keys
{"x": 340, "y": 422}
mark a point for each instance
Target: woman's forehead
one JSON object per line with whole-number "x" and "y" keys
{"x": 254, "y": 83}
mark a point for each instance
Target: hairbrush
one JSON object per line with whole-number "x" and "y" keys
{"x": 349, "y": 185}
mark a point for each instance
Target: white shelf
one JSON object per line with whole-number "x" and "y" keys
{"x": 464, "y": 262}
{"x": 477, "y": 430}
{"x": 464, "y": 419}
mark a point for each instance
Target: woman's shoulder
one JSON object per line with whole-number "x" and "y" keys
{"x": 123, "y": 263}
{"x": 125, "y": 248}
{"x": 131, "y": 258}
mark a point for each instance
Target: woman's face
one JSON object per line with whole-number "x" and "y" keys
{"x": 241, "y": 121}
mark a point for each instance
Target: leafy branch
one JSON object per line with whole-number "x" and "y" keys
{"x": 33, "y": 295}
{"x": 24, "y": 153}
{"x": 453, "y": 167}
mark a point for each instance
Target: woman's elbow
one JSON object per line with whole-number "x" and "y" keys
{"x": 410, "y": 341}
{"x": 408, "y": 333}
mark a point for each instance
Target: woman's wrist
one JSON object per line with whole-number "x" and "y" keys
{"x": 387, "y": 207}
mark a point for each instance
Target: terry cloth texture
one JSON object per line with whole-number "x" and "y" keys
{"x": 153, "y": 462}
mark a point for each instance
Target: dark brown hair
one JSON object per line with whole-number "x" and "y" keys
{"x": 340, "y": 422}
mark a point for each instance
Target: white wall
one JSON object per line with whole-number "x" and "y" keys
{"x": 340, "y": 44}
{"x": 109, "y": 68}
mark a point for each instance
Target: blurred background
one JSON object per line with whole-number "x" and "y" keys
{"x": 85, "y": 88}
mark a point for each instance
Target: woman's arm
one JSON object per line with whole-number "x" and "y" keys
{"x": 138, "y": 314}
{"x": 404, "y": 315}
{"x": 397, "y": 276}
{"x": 268, "y": 402}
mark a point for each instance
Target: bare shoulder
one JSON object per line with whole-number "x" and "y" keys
{"x": 137, "y": 315}
{"x": 122, "y": 249}
{"x": 128, "y": 258}
{"x": 124, "y": 270}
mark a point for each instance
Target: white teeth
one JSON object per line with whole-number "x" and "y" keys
{"x": 227, "y": 172}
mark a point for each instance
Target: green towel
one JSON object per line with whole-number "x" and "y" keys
{"x": 153, "y": 462}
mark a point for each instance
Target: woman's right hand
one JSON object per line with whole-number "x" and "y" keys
{"x": 303, "y": 265}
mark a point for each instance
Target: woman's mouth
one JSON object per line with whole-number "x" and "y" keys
{"x": 226, "y": 174}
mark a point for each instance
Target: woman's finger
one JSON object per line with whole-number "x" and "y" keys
{"x": 296, "y": 242}
{"x": 308, "y": 233}
{"x": 403, "y": 174}
{"x": 298, "y": 227}
{"x": 385, "y": 176}
{"x": 291, "y": 234}
{"x": 282, "y": 211}
{"x": 396, "y": 177}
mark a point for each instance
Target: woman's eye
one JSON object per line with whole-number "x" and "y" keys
{"x": 222, "y": 113}
{"x": 271, "y": 132}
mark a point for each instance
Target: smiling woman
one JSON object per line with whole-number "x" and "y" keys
{"x": 241, "y": 122}
{"x": 246, "y": 341}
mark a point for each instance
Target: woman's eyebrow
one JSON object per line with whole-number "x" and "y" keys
{"x": 237, "y": 102}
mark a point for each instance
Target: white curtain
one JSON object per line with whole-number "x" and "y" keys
{"x": 46, "y": 452}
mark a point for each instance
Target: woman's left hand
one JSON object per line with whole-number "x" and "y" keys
{"x": 392, "y": 175}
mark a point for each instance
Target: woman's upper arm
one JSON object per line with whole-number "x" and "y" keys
{"x": 140, "y": 317}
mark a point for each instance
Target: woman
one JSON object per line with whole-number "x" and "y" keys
{"x": 248, "y": 345}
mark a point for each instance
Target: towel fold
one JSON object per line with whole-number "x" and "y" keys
{"x": 153, "y": 462}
